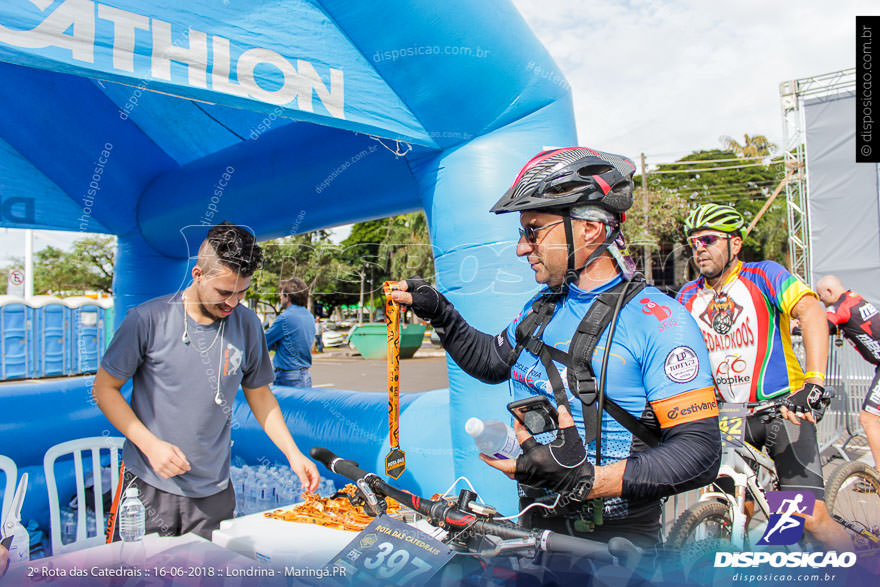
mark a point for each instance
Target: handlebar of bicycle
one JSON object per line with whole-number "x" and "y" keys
{"x": 451, "y": 518}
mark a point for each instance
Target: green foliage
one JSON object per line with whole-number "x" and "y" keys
{"x": 87, "y": 267}
{"x": 726, "y": 177}
{"x": 312, "y": 257}
{"x": 374, "y": 251}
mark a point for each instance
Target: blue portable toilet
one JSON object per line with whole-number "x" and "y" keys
{"x": 51, "y": 336}
{"x": 16, "y": 332}
{"x": 107, "y": 335}
{"x": 86, "y": 331}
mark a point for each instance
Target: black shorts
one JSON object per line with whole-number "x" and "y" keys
{"x": 794, "y": 450}
{"x": 872, "y": 398}
{"x": 170, "y": 514}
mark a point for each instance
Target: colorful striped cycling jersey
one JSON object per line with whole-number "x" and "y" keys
{"x": 859, "y": 321}
{"x": 747, "y": 329}
{"x": 658, "y": 370}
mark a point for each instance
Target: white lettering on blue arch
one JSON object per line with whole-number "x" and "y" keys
{"x": 71, "y": 27}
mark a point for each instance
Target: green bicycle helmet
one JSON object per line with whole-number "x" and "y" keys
{"x": 714, "y": 217}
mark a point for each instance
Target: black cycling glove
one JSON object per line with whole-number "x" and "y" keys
{"x": 428, "y": 303}
{"x": 812, "y": 398}
{"x": 560, "y": 466}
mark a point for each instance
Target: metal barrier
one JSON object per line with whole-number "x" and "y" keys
{"x": 850, "y": 376}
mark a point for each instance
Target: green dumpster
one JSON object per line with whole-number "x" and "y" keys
{"x": 371, "y": 340}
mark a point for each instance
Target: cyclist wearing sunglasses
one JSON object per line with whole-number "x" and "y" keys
{"x": 745, "y": 311}
{"x": 657, "y": 432}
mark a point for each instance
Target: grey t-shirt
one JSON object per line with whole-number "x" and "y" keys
{"x": 175, "y": 385}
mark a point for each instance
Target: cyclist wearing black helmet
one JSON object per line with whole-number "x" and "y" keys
{"x": 744, "y": 311}
{"x": 654, "y": 426}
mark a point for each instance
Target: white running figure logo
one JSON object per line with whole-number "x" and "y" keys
{"x": 787, "y": 521}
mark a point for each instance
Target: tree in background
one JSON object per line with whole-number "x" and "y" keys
{"x": 87, "y": 267}
{"x": 351, "y": 272}
{"x": 312, "y": 257}
{"x": 388, "y": 249}
{"x": 741, "y": 175}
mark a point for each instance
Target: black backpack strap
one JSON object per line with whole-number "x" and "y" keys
{"x": 582, "y": 380}
{"x": 537, "y": 319}
{"x": 631, "y": 423}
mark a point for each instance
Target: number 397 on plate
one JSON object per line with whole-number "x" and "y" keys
{"x": 390, "y": 552}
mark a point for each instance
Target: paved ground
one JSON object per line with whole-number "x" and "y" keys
{"x": 338, "y": 369}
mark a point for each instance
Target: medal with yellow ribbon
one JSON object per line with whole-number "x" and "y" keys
{"x": 395, "y": 462}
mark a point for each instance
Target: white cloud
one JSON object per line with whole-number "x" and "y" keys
{"x": 669, "y": 77}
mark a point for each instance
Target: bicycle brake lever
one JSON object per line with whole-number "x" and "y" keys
{"x": 373, "y": 504}
{"x": 491, "y": 546}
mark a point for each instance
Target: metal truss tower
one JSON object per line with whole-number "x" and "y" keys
{"x": 793, "y": 93}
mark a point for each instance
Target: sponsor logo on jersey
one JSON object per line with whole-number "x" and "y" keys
{"x": 742, "y": 336}
{"x": 682, "y": 364}
{"x": 867, "y": 311}
{"x": 721, "y": 314}
{"x": 662, "y": 313}
{"x": 695, "y": 408}
{"x": 686, "y": 407}
{"x": 659, "y": 312}
{"x": 731, "y": 371}
{"x": 869, "y": 343}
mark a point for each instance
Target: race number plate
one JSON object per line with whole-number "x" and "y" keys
{"x": 732, "y": 422}
{"x": 389, "y": 552}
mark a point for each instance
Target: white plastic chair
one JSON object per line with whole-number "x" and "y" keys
{"x": 7, "y": 465}
{"x": 95, "y": 444}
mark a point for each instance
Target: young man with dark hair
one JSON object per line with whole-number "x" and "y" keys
{"x": 187, "y": 353}
{"x": 291, "y": 336}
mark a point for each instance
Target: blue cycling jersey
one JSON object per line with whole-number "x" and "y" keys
{"x": 657, "y": 358}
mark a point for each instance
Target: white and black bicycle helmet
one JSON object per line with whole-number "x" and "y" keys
{"x": 560, "y": 179}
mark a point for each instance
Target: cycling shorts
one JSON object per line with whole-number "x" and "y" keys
{"x": 872, "y": 399}
{"x": 794, "y": 450}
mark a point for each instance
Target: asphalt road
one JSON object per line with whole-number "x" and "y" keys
{"x": 336, "y": 369}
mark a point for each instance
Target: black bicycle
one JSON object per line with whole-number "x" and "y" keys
{"x": 475, "y": 529}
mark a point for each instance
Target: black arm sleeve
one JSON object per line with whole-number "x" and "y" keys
{"x": 688, "y": 457}
{"x": 481, "y": 355}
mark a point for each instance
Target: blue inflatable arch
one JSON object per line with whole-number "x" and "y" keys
{"x": 148, "y": 120}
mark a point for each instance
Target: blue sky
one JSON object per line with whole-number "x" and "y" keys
{"x": 665, "y": 77}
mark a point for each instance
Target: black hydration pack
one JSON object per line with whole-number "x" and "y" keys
{"x": 581, "y": 378}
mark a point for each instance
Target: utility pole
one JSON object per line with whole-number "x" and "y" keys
{"x": 363, "y": 274}
{"x": 646, "y": 248}
{"x": 28, "y": 263}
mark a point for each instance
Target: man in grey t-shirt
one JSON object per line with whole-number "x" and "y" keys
{"x": 187, "y": 354}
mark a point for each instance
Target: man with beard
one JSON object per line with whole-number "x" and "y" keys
{"x": 187, "y": 354}
{"x": 744, "y": 311}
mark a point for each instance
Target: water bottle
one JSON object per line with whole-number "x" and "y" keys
{"x": 493, "y": 438}
{"x": 132, "y": 525}
{"x": 68, "y": 525}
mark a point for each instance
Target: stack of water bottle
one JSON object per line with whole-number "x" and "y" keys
{"x": 68, "y": 523}
{"x": 260, "y": 488}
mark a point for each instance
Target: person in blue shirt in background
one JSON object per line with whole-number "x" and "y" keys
{"x": 291, "y": 336}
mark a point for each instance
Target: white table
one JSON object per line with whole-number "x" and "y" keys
{"x": 278, "y": 543}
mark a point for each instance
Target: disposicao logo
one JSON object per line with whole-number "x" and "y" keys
{"x": 786, "y": 526}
